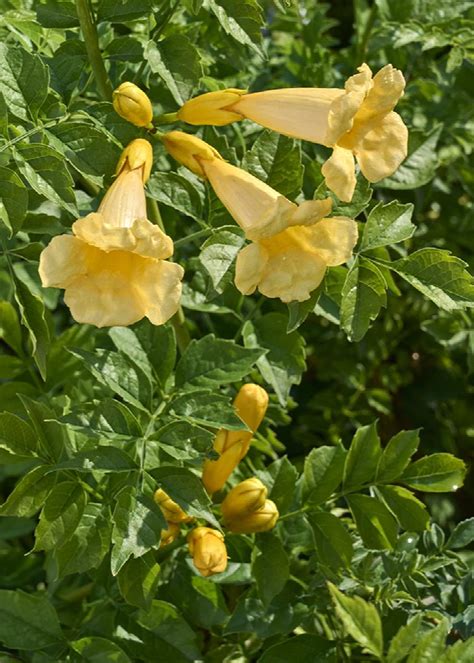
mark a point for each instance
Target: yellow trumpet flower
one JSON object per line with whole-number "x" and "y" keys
{"x": 245, "y": 498}
{"x": 132, "y": 104}
{"x": 250, "y": 404}
{"x": 211, "y": 108}
{"x": 208, "y": 550}
{"x": 113, "y": 266}
{"x": 171, "y": 510}
{"x": 260, "y": 520}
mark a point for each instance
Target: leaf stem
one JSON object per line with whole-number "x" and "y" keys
{"x": 33, "y": 131}
{"x": 294, "y": 513}
{"x": 197, "y": 235}
{"x": 183, "y": 337}
{"x": 91, "y": 39}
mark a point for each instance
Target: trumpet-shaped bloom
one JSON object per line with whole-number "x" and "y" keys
{"x": 208, "y": 550}
{"x": 113, "y": 267}
{"x": 260, "y": 520}
{"x": 356, "y": 122}
{"x": 245, "y": 498}
{"x": 211, "y": 108}
{"x": 250, "y": 404}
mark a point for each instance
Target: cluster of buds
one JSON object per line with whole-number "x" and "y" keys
{"x": 174, "y": 515}
{"x": 246, "y": 509}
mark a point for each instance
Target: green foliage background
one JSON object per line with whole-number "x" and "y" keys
{"x": 94, "y": 420}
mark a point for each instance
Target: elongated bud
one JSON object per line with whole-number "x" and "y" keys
{"x": 251, "y": 404}
{"x": 171, "y": 511}
{"x": 261, "y": 520}
{"x": 211, "y": 108}
{"x": 132, "y": 104}
{"x": 170, "y": 534}
{"x": 138, "y": 155}
{"x": 189, "y": 150}
{"x": 245, "y": 498}
{"x": 208, "y": 550}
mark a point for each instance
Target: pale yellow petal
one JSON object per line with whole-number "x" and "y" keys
{"x": 250, "y": 265}
{"x": 334, "y": 239}
{"x": 344, "y": 108}
{"x": 62, "y": 261}
{"x": 383, "y": 148}
{"x": 258, "y": 209}
{"x": 297, "y": 112}
{"x": 125, "y": 200}
{"x": 142, "y": 237}
{"x": 211, "y": 108}
{"x": 388, "y": 87}
{"x": 311, "y": 211}
{"x": 158, "y": 286}
{"x": 339, "y": 173}
{"x": 292, "y": 275}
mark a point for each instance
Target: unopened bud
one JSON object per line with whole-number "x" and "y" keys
{"x": 245, "y": 498}
{"x": 170, "y": 534}
{"x": 208, "y": 550}
{"x": 250, "y": 404}
{"x": 132, "y": 104}
{"x": 212, "y": 108}
{"x": 189, "y": 150}
{"x": 171, "y": 511}
{"x": 261, "y": 520}
{"x": 137, "y": 154}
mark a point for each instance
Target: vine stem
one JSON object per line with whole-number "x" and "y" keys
{"x": 91, "y": 39}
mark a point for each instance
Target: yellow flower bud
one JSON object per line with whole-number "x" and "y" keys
{"x": 251, "y": 404}
{"x": 170, "y": 534}
{"x": 208, "y": 550}
{"x": 137, "y": 155}
{"x": 132, "y": 104}
{"x": 211, "y": 108}
{"x": 189, "y": 150}
{"x": 245, "y": 498}
{"x": 261, "y": 520}
{"x": 171, "y": 511}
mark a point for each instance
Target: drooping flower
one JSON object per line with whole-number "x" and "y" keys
{"x": 292, "y": 245}
{"x": 245, "y": 498}
{"x": 250, "y": 404}
{"x": 356, "y": 122}
{"x": 262, "y": 519}
{"x": 113, "y": 267}
{"x": 208, "y": 550}
{"x": 170, "y": 509}
{"x": 132, "y": 104}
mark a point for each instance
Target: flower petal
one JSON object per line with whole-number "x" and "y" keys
{"x": 383, "y": 148}
{"x": 292, "y": 275}
{"x": 334, "y": 239}
{"x": 258, "y": 209}
{"x": 158, "y": 287}
{"x": 211, "y": 108}
{"x": 250, "y": 265}
{"x": 388, "y": 87}
{"x": 339, "y": 173}
{"x": 345, "y": 107}
{"x": 142, "y": 237}
{"x": 298, "y": 112}
{"x": 311, "y": 211}
{"x": 62, "y": 261}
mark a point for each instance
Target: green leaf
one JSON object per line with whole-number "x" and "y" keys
{"x": 23, "y": 81}
{"x": 375, "y": 524}
{"x": 460, "y": 652}
{"x": 124, "y": 10}
{"x": 99, "y": 459}
{"x": 110, "y": 419}
{"x": 14, "y": 196}
{"x": 218, "y": 254}
{"x": 276, "y": 160}
{"x": 323, "y": 472}
{"x": 52, "y": 438}
{"x": 60, "y": 516}
{"x": 16, "y": 437}
{"x": 284, "y": 476}
{"x": 363, "y": 295}
{"x": 242, "y": 20}
{"x": 28, "y": 622}
{"x": 387, "y": 224}
{"x": 29, "y": 494}
{"x": 360, "y": 619}
{"x": 175, "y": 639}
{"x": 397, "y": 454}
{"x": 10, "y": 330}
{"x": 89, "y": 543}
{"x": 137, "y": 525}
{"x": 299, "y": 311}
{"x": 271, "y": 568}
{"x": 178, "y": 192}
{"x": 439, "y": 276}
{"x": 3, "y": 117}
{"x": 430, "y": 646}
{"x": 138, "y": 579}
{"x": 213, "y": 361}
{"x": 33, "y": 318}
{"x": 284, "y": 363}
{"x": 462, "y": 535}
{"x": 362, "y": 458}
{"x": 407, "y": 509}
{"x": 113, "y": 370}
{"x": 57, "y": 14}
{"x": 303, "y": 647}
{"x": 69, "y": 66}
{"x": 177, "y": 61}
{"x": 180, "y": 440}
{"x": 159, "y": 343}
{"x": 332, "y": 540}
{"x": 438, "y": 473}
{"x": 127, "y": 342}
{"x": 46, "y": 172}
{"x": 405, "y": 638}
{"x": 99, "y": 650}
{"x": 421, "y": 163}
{"x": 208, "y": 409}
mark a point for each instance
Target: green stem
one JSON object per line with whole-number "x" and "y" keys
{"x": 193, "y": 236}
{"x": 91, "y": 39}
{"x": 294, "y": 513}
{"x": 183, "y": 337}
{"x": 31, "y": 132}
{"x": 155, "y": 214}
{"x": 166, "y": 118}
